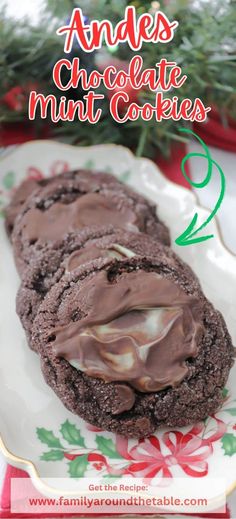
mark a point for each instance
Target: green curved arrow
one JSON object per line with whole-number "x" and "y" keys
{"x": 188, "y": 237}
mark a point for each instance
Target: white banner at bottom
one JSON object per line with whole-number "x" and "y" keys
{"x": 118, "y": 496}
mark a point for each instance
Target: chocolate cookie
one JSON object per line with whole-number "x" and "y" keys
{"x": 74, "y": 250}
{"x": 132, "y": 344}
{"x": 25, "y": 189}
{"x": 76, "y": 200}
{"x": 21, "y": 194}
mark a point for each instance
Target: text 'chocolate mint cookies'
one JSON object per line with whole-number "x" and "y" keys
{"x": 77, "y": 200}
{"x": 132, "y": 344}
{"x": 75, "y": 250}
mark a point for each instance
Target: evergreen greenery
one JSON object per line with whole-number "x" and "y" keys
{"x": 204, "y": 46}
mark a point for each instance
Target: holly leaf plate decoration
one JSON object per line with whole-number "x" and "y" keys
{"x": 48, "y": 437}
{"x": 229, "y": 444}
{"x": 72, "y": 434}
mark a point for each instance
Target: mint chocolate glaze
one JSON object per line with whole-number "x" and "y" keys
{"x": 140, "y": 329}
{"x": 87, "y": 210}
{"x": 91, "y": 252}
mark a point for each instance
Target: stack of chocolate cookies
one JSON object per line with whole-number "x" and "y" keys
{"x": 126, "y": 337}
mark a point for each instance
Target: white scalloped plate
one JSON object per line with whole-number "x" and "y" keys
{"x": 28, "y": 405}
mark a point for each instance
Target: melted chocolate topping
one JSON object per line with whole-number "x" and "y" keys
{"x": 139, "y": 329}
{"x": 124, "y": 399}
{"x": 91, "y": 252}
{"x": 87, "y": 210}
